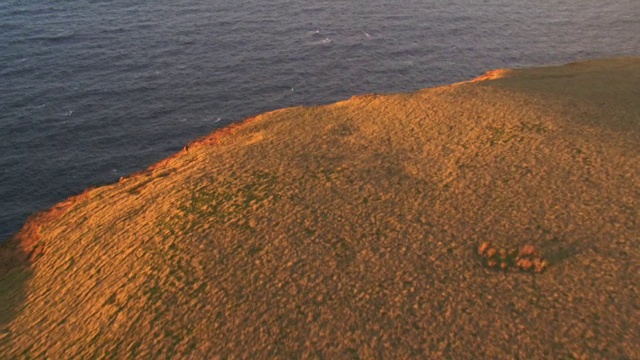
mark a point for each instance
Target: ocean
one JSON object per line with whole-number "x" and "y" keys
{"x": 93, "y": 90}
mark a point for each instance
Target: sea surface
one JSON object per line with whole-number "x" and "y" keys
{"x": 93, "y": 90}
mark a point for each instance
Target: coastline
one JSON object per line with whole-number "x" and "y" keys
{"x": 354, "y": 225}
{"x": 25, "y": 242}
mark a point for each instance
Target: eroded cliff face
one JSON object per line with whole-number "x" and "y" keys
{"x": 352, "y": 229}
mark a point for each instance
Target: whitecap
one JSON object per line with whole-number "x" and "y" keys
{"x": 324, "y": 41}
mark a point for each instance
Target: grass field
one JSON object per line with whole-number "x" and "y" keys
{"x": 351, "y": 230}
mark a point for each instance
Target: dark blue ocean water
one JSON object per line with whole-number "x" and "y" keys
{"x": 93, "y": 90}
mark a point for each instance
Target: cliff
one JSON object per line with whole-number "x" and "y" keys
{"x": 351, "y": 230}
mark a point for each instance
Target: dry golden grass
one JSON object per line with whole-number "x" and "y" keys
{"x": 350, "y": 230}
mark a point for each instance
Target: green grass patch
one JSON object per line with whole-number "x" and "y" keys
{"x": 227, "y": 203}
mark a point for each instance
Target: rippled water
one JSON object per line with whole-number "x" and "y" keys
{"x": 92, "y": 90}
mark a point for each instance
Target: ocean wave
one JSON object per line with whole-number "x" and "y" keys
{"x": 55, "y": 37}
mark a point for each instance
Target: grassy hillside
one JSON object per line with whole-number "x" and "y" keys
{"x": 351, "y": 230}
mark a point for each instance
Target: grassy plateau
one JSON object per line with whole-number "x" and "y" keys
{"x": 352, "y": 231}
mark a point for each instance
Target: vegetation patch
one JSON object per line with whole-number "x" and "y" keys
{"x": 135, "y": 189}
{"x": 526, "y": 258}
{"x": 502, "y": 135}
{"x": 224, "y": 203}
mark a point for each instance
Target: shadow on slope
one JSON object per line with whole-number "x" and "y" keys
{"x": 598, "y": 93}
{"x": 14, "y": 273}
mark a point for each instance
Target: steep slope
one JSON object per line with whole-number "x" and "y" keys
{"x": 350, "y": 231}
